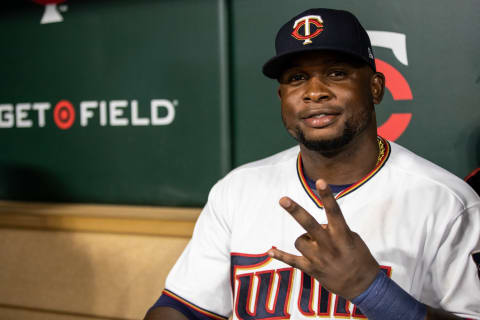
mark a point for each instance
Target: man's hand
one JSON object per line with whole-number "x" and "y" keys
{"x": 333, "y": 254}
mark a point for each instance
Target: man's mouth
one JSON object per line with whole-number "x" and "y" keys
{"x": 320, "y": 120}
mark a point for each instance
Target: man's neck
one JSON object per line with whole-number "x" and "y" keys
{"x": 348, "y": 165}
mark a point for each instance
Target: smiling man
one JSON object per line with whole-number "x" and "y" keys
{"x": 346, "y": 224}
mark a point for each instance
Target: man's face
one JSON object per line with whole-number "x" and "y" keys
{"x": 328, "y": 99}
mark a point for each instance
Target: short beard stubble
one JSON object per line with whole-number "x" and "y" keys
{"x": 333, "y": 146}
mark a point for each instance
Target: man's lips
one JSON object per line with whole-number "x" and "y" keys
{"x": 320, "y": 118}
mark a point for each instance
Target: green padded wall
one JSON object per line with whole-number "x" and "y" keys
{"x": 150, "y": 102}
{"x": 104, "y": 55}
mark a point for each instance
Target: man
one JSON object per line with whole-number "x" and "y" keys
{"x": 385, "y": 229}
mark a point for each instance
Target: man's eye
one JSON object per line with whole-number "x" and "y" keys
{"x": 337, "y": 74}
{"x": 296, "y": 77}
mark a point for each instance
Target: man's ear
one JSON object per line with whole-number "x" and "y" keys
{"x": 279, "y": 93}
{"x": 377, "y": 87}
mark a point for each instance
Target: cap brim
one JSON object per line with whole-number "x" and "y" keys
{"x": 274, "y": 67}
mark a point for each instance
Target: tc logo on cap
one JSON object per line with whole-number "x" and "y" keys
{"x": 307, "y": 21}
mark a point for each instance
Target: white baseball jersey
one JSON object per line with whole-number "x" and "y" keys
{"x": 420, "y": 222}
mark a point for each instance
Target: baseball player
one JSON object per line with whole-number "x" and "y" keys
{"x": 344, "y": 225}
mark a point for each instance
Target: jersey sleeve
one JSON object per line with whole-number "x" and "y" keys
{"x": 454, "y": 279}
{"x": 200, "y": 278}
{"x": 189, "y": 311}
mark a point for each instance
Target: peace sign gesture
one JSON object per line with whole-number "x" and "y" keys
{"x": 331, "y": 253}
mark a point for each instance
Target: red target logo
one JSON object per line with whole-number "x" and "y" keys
{"x": 64, "y": 114}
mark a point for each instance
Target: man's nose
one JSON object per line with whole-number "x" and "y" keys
{"x": 316, "y": 91}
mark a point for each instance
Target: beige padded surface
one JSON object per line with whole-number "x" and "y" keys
{"x": 22, "y": 314}
{"x": 103, "y": 275}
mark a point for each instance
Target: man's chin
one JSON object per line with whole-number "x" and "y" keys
{"x": 325, "y": 145}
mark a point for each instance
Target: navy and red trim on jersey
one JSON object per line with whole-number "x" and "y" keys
{"x": 188, "y": 309}
{"x": 310, "y": 192}
{"x": 336, "y": 188}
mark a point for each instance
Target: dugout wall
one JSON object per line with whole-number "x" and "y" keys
{"x": 116, "y": 117}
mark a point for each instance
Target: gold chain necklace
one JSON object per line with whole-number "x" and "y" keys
{"x": 381, "y": 150}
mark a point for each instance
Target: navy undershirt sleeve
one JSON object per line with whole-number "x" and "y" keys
{"x": 191, "y": 314}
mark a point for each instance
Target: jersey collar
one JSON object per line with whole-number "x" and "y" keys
{"x": 353, "y": 187}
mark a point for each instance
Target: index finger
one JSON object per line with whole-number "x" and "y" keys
{"x": 335, "y": 216}
{"x": 305, "y": 219}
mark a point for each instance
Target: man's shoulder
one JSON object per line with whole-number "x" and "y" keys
{"x": 277, "y": 160}
{"x": 264, "y": 174}
{"x": 266, "y": 169}
{"x": 428, "y": 175}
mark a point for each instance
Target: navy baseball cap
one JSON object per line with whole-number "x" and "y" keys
{"x": 319, "y": 29}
